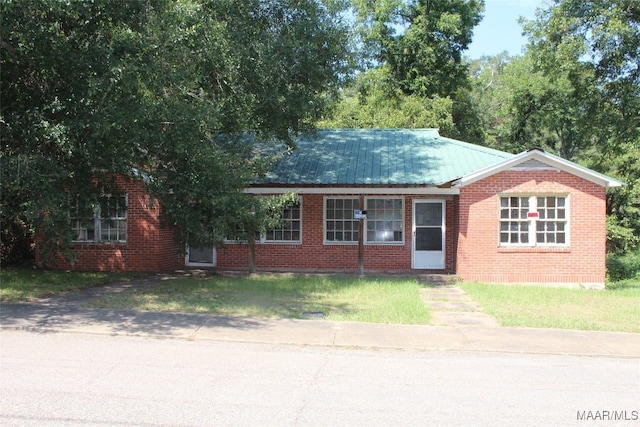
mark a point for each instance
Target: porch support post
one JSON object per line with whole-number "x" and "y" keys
{"x": 361, "y": 239}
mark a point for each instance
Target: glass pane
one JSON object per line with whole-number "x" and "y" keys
{"x": 504, "y": 238}
{"x": 504, "y": 202}
{"x": 429, "y": 214}
{"x": 429, "y": 239}
{"x": 561, "y": 238}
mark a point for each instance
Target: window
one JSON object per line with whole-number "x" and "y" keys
{"x": 533, "y": 220}
{"x": 104, "y": 221}
{"x": 289, "y": 231}
{"x": 340, "y": 227}
{"x": 384, "y": 223}
{"x": 385, "y": 218}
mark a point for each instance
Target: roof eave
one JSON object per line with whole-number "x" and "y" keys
{"x": 540, "y": 155}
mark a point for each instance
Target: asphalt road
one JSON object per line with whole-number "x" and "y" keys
{"x": 60, "y": 379}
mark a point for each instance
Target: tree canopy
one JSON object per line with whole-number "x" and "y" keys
{"x": 90, "y": 89}
{"x": 202, "y": 95}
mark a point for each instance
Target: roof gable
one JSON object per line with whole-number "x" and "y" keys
{"x": 538, "y": 159}
{"x": 383, "y": 157}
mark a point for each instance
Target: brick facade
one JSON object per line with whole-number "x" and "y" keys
{"x": 149, "y": 246}
{"x": 472, "y": 249}
{"x": 481, "y": 258}
{"x": 314, "y": 255}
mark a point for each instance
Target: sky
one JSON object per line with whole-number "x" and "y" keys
{"x": 499, "y": 29}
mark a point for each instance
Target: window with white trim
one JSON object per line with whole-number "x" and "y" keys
{"x": 385, "y": 220}
{"x": 340, "y": 227}
{"x": 290, "y": 229}
{"x": 534, "y": 221}
{"x": 104, "y": 221}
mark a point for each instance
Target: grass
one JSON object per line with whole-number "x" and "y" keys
{"x": 29, "y": 285}
{"x": 615, "y": 309}
{"x": 388, "y": 300}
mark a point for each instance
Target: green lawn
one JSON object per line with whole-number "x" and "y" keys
{"x": 378, "y": 300}
{"x": 388, "y": 300}
{"x": 28, "y": 285}
{"x": 614, "y": 309}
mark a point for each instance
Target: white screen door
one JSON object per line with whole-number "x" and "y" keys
{"x": 428, "y": 234}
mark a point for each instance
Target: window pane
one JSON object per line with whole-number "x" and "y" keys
{"x": 385, "y": 217}
{"x": 339, "y": 216}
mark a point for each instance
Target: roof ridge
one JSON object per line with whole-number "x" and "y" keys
{"x": 477, "y": 147}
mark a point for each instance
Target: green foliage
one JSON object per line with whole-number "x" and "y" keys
{"x": 417, "y": 76}
{"x": 575, "y": 92}
{"x": 91, "y": 89}
{"x": 375, "y": 101}
{"x": 623, "y": 267}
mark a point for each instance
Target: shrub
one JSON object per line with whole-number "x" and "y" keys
{"x": 622, "y": 267}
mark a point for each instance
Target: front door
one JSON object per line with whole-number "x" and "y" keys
{"x": 428, "y": 234}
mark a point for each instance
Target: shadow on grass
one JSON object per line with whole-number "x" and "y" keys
{"x": 185, "y": 304}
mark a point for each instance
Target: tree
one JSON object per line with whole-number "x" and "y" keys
{"x": 93, "y": 89}
{"x": 417, "y": 48}
{"x": 595, "y": 45}
{"x": 575, "y": 92}
{"x": 375, "y": 101}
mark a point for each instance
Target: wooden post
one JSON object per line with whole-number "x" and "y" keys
{"x": 361, "y": 239}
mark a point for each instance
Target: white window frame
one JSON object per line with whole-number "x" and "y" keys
{"x": 354, "y": 222}
{"x": 98, "y": 226}
{"x": 535, "y": 216}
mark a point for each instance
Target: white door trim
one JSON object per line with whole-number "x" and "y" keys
{"x": 428, "y": 260}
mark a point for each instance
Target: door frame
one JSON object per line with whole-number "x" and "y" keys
{"x": 443, "y": 203}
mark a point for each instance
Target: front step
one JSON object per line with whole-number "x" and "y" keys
{"x": 437, "y": 279}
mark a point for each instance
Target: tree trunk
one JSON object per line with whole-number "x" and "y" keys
{"x": 252, "y": 254}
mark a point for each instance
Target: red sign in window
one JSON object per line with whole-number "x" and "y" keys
{"x": 533, "y": 215}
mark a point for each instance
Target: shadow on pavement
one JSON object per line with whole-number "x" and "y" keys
{"x": 48, "y": 317}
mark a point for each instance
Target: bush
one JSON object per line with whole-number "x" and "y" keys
{"x": 622, "y": 267}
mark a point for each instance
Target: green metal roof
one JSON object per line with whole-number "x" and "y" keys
{"x": 380, "y": 157}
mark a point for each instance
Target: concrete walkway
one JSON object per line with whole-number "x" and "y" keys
{"x": 451, "y": 306}
{"x": 65, "y": 314}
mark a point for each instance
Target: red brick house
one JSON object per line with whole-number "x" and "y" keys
{"x": 401, "y": 201}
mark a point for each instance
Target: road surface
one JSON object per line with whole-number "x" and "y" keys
{"x": 59, "y": 379}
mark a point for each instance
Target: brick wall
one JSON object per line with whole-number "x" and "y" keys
{"x": 149, "y": 247}
{"x": 480, "y": 258}
{"x": 314, "y": 255}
